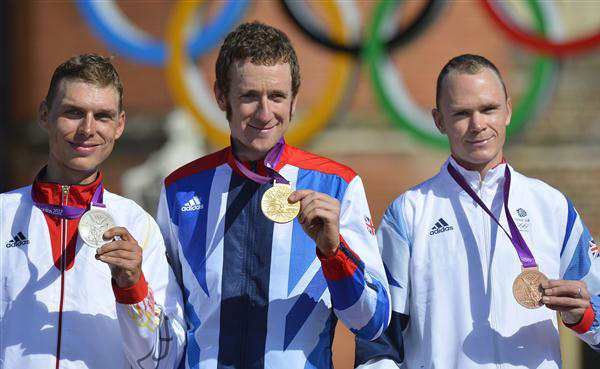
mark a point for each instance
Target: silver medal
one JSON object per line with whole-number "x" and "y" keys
{"x": 93, "y": 224}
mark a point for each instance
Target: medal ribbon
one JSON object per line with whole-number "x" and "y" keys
{"x": 525, "y": 255}
{"x": 270, "y": 162}
{"x": 69, "y": 212}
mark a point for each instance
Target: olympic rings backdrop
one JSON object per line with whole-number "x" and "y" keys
{"x": 341, "y": 35}
{"x": 368, "y": 69}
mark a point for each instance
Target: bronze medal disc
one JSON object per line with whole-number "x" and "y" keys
{"x": 275, "y": 205}
{"x": 527, "y": 288}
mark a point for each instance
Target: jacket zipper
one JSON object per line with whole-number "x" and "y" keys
{"x": 63, "y": 248}
{"x": 487, "y": 249}
{"x": 247, "y": 276}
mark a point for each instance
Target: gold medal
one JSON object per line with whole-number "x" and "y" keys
{"x": 527, "y": 288}
{"x": 275, "y": 205}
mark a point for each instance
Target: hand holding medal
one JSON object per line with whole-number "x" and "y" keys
{"x": 114, "y": 245}
{"x": 318, "y": 213}
{"x": 320, "y": 219}
{"x": 123, "y": 255}
{"x": 570, "y": 298}
{"x": 527, "y": 287}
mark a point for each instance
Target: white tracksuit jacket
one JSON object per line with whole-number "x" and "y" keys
{"x": 94, "y": 330}
{"x": 451, "y": 269}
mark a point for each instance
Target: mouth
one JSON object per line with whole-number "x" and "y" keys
{"x": 480, "y": 141}
{"x": 266, "y": 128}
{"x": 84, "y": 148}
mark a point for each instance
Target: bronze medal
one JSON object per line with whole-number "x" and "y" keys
{"x": 275, "y": 205}
{"x": 527, "y": 288}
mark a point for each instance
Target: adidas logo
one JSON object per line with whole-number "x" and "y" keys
{"x": 440, "y": 226}
{"x": 18, "y": 240}
{"x": 193, "y": 204}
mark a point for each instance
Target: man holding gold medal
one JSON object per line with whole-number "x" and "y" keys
{"x": 270, "y": 243}
{"x": 476, "y": 275}
{"x": 65, "y": 236}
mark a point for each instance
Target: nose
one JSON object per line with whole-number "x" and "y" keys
{"x": 264, "y": 113}
{"x": 87, "y": 127}
{"x": 476, "y": 123}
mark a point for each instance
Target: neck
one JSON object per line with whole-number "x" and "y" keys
{"x": 55, "y": 174}
{"x": 245, "y": 155}
{"x": 482, "y": 168}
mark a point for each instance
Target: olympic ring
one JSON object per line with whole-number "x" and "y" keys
{"x": 187, "y": 84}
{"x": 111, "y": 25}
{"x": 183, "y": 77}
{"x": 541, "y": 44}
{"x": 296, "y": 11}
{"x": 403, "y": 110}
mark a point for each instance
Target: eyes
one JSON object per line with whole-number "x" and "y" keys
{"x": 487, "y": 110}
{"x": 101, "y": 116}
{"x": 252, "y": 96}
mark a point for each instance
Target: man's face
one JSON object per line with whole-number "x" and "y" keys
{"x": 259, "y": 105}
{"x": 474, "y": 113}
{"x": 83, "y": 123}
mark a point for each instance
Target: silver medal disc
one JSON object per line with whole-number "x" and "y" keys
{"x": 93, "y": 224}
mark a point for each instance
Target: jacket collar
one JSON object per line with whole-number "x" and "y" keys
{"x": 259, "y": 166}
{"x": 493, "y": 178}
{"x": 51, "y": 193}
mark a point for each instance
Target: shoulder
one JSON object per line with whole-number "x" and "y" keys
{"x": 123, "y": 206}
{"x": 17, "y": 192}
{"x": 309, "y": 161}
{"x": 415, "y": 199}
{"x": 15, "y": 197}
{"x": 429, "y": 190}
{"x": 538, "y": 190}
{"x": 204, "y": 163}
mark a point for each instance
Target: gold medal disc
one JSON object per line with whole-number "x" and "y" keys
{"x": 527, "y": 288}
{"x": 275, "y": 205}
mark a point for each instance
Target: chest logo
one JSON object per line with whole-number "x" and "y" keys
{"x": 193, "y": 204}
{"x": 522, "y": 220}
{"x": 594, "y": 249}
{"x": 18, "y": 240}
{"x": 440, "y": 226}
{"x": 370, "y": 225}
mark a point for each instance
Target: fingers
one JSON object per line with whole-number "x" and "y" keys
{"x": 318, "y": 206}
{"x": 124, "y": 253}
{"x": 562, "y": 288}
{"x": 299, "y": 195}
{"x": 320, "y": 218}
{"x": 124, "y": 256}
{"x": 571, "y": 298}
{"x": 121, "y": 232}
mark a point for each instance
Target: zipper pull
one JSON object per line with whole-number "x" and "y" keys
{"x": 65, "y": 192}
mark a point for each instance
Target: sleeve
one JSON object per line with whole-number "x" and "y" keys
{"x": 150, "y": 313}
{"x": 580, "y": 260}
{"x": 169, "y": 233}
{"x": 387, "y": 351}
{"x": 355, "y": 276}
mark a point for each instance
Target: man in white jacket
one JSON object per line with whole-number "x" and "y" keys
{"x": 476, "y": 278}
{"x": 64, "y": 237}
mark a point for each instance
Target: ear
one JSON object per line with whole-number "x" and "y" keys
{"x": 293, "y": 107}
{"x": 437, "y": 119}
{"x": 120, "y": 125}
{"x": 509, "y": 107}
{"x": 220, "y": 96}
{"x": 43, "y": 114}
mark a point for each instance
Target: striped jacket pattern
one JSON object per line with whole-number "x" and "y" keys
{"x": 256, "y": 293}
